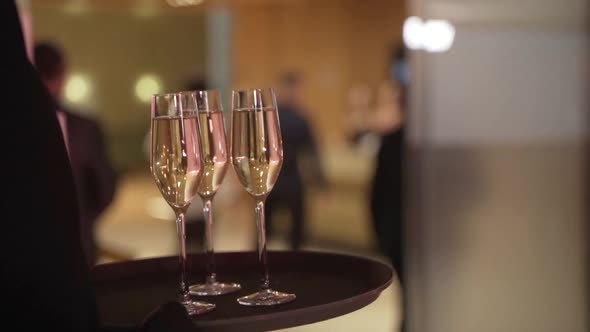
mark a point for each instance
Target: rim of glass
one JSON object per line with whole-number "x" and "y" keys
{"x": 253, "y": 89}
{"x": 167, "y": 94}
{"x": 194, "y": 91}
{"x": 164, "y": 94}
{"x": 215, "y": 93}
{"x": 182, "y": 114}
{"x": 249, "y": 91}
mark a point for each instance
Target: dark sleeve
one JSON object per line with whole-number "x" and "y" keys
{"x": 387, "y": 186}
{"x": 44, "y": 278}
{"x": 104, "y": 179}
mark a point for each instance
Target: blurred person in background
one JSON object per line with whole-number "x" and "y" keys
{"x": 387, "y": 188}
{"x": 197, "y": 84}
{"x": 300, "y": 152}
{"x": 359, "y": 97}
{"x": 93, "y": 175}
{"x": 368, "y": 121}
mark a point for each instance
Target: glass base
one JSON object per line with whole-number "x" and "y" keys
{"x": 266, "y": 298}
{"x": 214, "y": 288}
{"x": 197, "y": 307}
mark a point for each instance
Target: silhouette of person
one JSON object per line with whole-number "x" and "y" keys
{"x": 45, "y": 278}
{"x": 387, "y": 207}
{"x": 93, "y": 175}
{"x": 298, "y": 143}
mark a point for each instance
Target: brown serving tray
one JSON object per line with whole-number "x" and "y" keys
{"x": 327, "y": 285}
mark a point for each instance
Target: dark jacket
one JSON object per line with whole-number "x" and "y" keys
{"x": 298, "y": 143}
{"x": 93, "y": 175}
{"x": 44, "y": 277}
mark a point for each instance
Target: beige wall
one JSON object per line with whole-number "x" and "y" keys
{"x": 113, "y": 48}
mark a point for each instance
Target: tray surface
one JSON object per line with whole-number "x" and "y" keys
{"x": 327, "y": 285}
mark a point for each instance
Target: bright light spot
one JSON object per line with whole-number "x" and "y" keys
{"x": 438, "y": 35}
{"x": 146, "y": 86}
{"x": 431, "y": 36}
{"x": 77, "y": 89}
{"x": 184, "y": 3}
{"x": 413, "y": 27}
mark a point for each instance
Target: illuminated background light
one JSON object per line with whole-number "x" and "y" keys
{"x": 77, "y": 89}
{"x": 412, "y": 32}
{"x": 430, "y": 35}
{"x": 146, "y": 86}
{"x": 184, "y": 3}
{"x": 438, "y": 35}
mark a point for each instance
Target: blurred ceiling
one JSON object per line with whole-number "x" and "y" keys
{"x": 572, "y": 12}
{"x": 179, "y": 6}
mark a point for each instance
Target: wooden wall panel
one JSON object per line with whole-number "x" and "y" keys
{"x": 333, "y": 43}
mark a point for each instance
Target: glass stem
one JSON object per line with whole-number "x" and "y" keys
{"x": 261, "y": 226}
{"x": 181, "y": 231}
{"x": 208, "y": 214}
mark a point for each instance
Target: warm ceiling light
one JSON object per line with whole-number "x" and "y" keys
{"x": 430, "y": 35}
{"x": 184, "y": 3}
{"x": 438, "y": 35}
{"x": 412, "y": 32}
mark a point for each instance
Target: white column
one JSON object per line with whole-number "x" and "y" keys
{"x": 497, "y": 234}
{"x": 219, "y": 52}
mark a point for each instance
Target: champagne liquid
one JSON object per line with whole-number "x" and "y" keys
{"x": 257, "y": 152}
{"x": 175, "y": 159}
{"x": 214, "y": 150}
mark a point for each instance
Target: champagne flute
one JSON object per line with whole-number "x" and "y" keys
{"x": 257, "y": 157}
{"x": 176, "y": 165}
{"x": 214, "y": 155}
